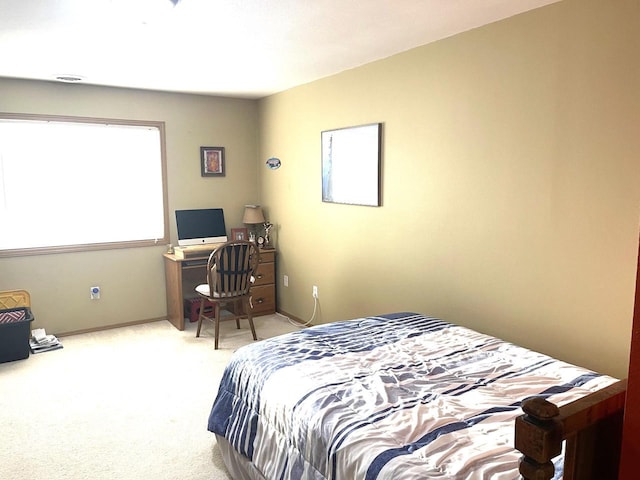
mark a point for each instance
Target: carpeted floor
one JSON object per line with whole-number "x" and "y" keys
{"x": 128, "y": 403}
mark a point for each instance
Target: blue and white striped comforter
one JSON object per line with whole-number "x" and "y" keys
{"x": 395, "y": 397}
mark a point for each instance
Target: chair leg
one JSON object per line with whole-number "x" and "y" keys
{"x": 200, "y": 316}
{"x": 247, "y": 308}
{"x": 217, "y": 322}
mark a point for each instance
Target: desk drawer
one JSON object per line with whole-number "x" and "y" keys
{"x": 265, "y": 274}
{"x": 267, "y": 256}
{"x": 263, "y": 299}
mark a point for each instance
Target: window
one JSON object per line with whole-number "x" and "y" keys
{"x": 71, "y": 183}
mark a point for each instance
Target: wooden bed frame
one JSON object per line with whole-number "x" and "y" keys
{"x": 591, "y": 427}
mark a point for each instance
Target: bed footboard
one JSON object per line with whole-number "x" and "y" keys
{"x": 591, "y": 427}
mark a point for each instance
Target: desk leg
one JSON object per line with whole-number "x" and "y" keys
{"x": 175, "y": 306}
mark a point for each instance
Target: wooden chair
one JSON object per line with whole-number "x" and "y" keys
{"x": 230, "y": 275}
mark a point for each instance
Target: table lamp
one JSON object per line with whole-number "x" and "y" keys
{"x": 252, "y": 216}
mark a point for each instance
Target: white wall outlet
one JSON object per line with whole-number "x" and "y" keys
{"x": 286, "y": 280}
{"x": 95, "y": 293}
{"x": 315, "y": 291}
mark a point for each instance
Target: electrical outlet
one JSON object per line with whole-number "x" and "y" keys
{"x": 95, "y": 293}
{"x": 315, "y": 291}
{"x": 286, "y": 280}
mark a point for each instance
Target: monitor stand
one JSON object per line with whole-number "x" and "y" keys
{"x": 194, "y": 251}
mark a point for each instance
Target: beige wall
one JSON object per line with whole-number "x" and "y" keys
{"x": 511, "y": 176}
{"x": 510, "y": 186}
{"x": 132, "y": 280}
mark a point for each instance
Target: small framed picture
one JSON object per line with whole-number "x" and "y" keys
{"x": 212, "y": 161}
{"x": 239, "y": 234}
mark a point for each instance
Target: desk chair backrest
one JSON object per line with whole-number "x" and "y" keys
{"x": 230, "y": 269}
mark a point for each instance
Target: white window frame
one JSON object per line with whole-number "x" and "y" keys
{"x": 88, "y": 168}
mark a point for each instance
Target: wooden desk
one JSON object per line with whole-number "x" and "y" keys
{"x": 182, "y": 275}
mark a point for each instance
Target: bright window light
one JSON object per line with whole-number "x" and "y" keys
{"x": 73, "y": 184}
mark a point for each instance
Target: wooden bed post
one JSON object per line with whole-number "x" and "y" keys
{"x": 592, "y": 429}
{"x": 631, "y": 430}
{"x": 539, "y": 437}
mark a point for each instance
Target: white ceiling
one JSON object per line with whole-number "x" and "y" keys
{"x": 239, "y": 48}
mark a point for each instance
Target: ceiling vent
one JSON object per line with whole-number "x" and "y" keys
{"x": 69, "y": 78}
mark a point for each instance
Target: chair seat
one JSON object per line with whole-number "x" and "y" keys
{"x": 203, "y": 289}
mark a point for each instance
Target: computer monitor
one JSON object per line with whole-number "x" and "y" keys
{"x": 200, "y": 226}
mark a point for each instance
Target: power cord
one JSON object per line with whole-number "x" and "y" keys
{"x": 308, "y": 322}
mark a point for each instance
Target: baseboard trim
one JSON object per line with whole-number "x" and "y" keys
{"x": 150, "y": 320}
{"x": 292, "y": 317}
{"x": 109, "y": 327}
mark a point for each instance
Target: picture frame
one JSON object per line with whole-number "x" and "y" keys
{"x": 212, "y": 161}
{"x": 240, "y": 233}
{"x": 351, "y": 165}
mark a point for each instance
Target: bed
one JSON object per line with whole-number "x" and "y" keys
{"x": 401, "y": 396}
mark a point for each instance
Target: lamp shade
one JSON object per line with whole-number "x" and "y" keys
{"x": 253, "y": 214}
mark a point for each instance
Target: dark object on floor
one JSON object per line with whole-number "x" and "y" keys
{"x": 15, "y": 325}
